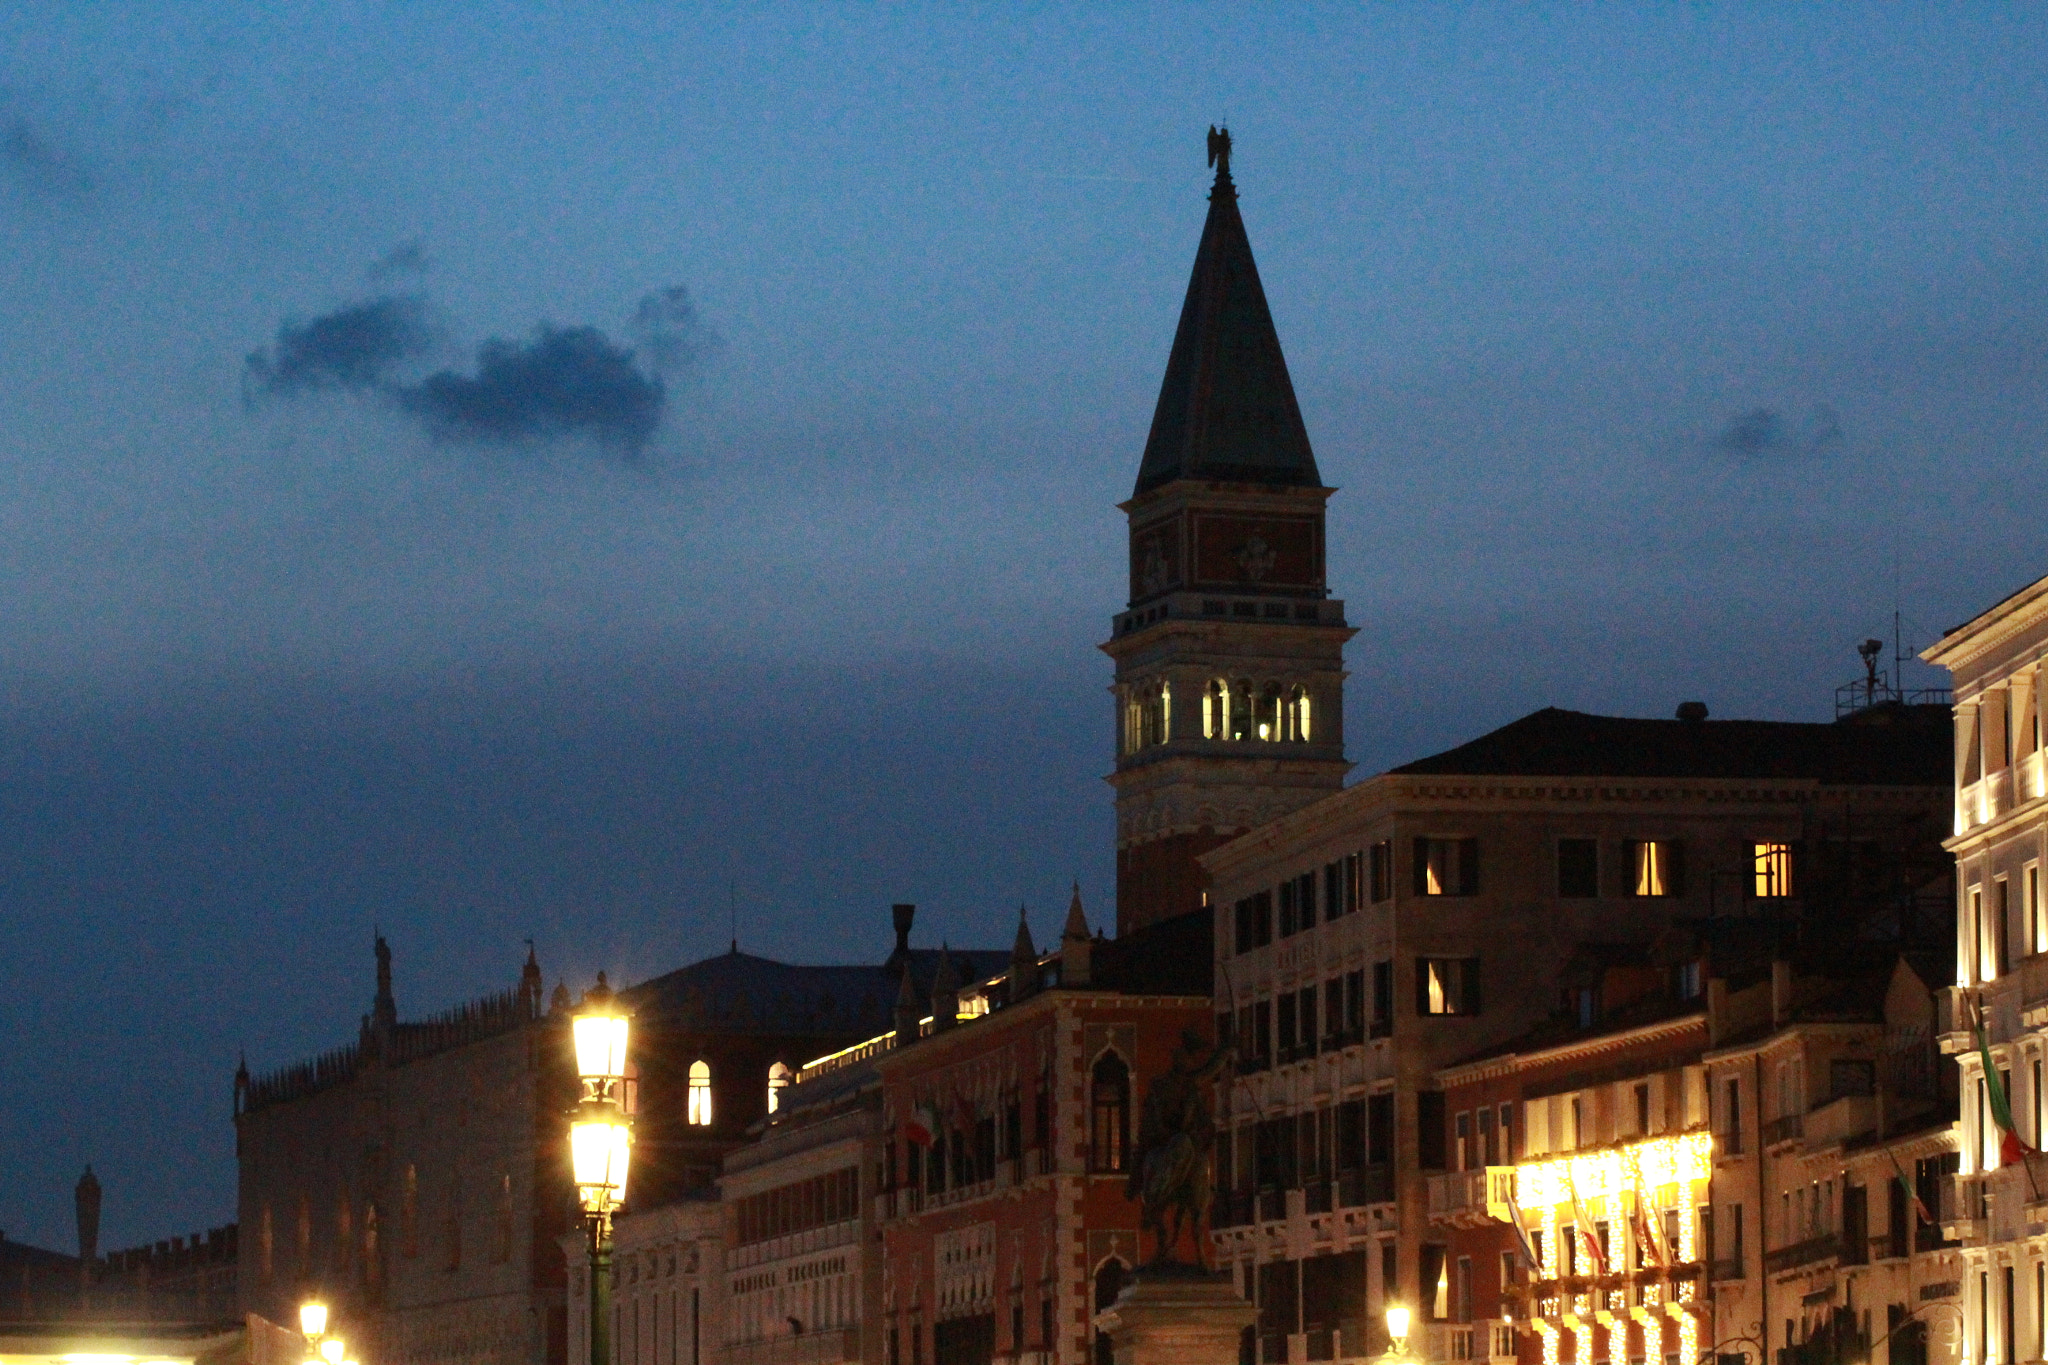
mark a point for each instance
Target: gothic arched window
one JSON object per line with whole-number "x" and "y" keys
{"x": 779, "y": 1077}
{"x": 1241, "y": 710}
{"x": 1109, "y": 1107}
{"x": 1216, "y": 710}
{"x": 700, "y": 1094}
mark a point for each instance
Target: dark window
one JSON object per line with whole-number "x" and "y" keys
{"x": 1642, "y": 1098}
{"x": 1489, "y": 1148}
{"x": 1308, "y": 1020}
{"x": 1335, "y": 902}
{"x": 1262, "y": 1031}
{"x": 1350, "y": 1153}
{"x": 1305, "y": 900}
{"x": 1289, "y": 1037}
{"x": 1430, "y": 1132}
{"x": 1382, "y": 997}
{"x": 1851, "y": 1078}
{"x": 1109, "y": 1129}
{"x": 1379, "y": 1110}
{"x": 1333, "y": 1012}
{"x": 1013, "y": 1130}
{"x": 1578, "y": 867}
{"x": 1381, "y": 860}
{"x": 1045, "y": 1320}
{"x": 1446, "y": 985}
{"x": 1244, "y": 925}
{"x": 1446, "y": 867}
{"x": 1262, "y": 919}
{"x": 1289, "y": 920}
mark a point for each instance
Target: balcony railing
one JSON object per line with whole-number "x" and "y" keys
{"x": 1365, "y": 1185}
{"x": 1316, "y": 1196}
{"x": 1784, "y": 1128}
{"x": 1458, "y": 1198}
{"x": 1813, "y": 1249}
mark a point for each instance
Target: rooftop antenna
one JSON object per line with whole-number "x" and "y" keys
{"x": 733, "y": 913}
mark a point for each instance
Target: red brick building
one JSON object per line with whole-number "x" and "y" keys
{"x": 1009, "y": 1138}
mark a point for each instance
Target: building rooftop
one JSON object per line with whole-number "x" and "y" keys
{"x": 739, "y": 992}
{"x": 1883, "y": 746}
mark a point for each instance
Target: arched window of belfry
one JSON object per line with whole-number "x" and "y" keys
{"x": 1216, "y": 710}
{"x": 1269, "y": 712}
{"x": 700, "y": 1094}
{"x": 779, "y": 1077}
{"x": 1241, "y": 710}
{"x": 1165, "y": 710}
{"x": 1297, "y": 717}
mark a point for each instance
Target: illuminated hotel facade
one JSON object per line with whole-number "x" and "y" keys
{"x": 1638, "y": 1198}
{"x": 2000, "y": 842}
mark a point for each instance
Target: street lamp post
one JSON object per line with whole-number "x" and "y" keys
{"x": 329, "y": 1349}
{"x": 1397, "y": 1336}
{"x": 600, "y": 1143}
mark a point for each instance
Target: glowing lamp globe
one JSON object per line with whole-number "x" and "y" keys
{"x": 600, "y": 1149}
{"x": 600, "y": 1028}
{"x": 313, "y": 1318}
{"x": 1397, "y": 1322}
{"x": 331, "y": 1350}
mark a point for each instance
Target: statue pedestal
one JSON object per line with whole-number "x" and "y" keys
{"x": 1177, "y": 1315}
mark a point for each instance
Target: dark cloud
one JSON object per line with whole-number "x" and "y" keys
{"x": 668, "y": 330}
{"x": 1763, "y": 432}
{"x": 353, "y": 349}
{"x": 566, "y": 382}
{"x": 407, "y": 258}
{"x": 563, "y": 383}
{"x": 32, "y": 159}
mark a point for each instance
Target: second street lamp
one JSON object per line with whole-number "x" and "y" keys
{"x": 600, "y": 1142}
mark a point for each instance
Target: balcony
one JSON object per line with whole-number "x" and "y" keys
{"x": 1458, "y": 1198}
{"x": 1827, "y": 1246}
{"x": 1839, "y": 1120}
{"x": 1728, "y": 1143}
{"x": 1365, "y": 1185}
{"x": 1784, "y": 1128}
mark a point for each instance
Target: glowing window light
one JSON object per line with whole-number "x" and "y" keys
{"x": 700, "y": 1094}
{"x": 1773, "y": 863}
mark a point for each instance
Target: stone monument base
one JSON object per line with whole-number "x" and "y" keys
{"x": 1177, "y": 1315}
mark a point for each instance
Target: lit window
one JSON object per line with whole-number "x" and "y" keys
{"x": 700, "y": 1094}
{"x": 1446, "y": 867}
{"x": 1447, "y": 985}
{"x": 779, "y": 1077}
{"x": 1773, "y": 864}
{"x": 1655, "y": 870}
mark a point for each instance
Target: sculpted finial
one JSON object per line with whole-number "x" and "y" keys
{"x": 1219, "y": 151}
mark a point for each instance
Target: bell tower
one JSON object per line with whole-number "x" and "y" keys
{"x": 1230, "y": 655}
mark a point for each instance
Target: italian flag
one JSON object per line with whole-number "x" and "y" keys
{"x": 921, "y": 1126}
{"x": 2011, "y": 1148}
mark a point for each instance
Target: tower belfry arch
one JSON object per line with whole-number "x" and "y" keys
{"x": 1230, "y": 652}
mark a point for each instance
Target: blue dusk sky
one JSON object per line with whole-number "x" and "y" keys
{"x": 585, "y": 474}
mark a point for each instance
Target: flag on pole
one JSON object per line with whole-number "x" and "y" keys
{"x": 1919, "y": 1206}
{"x": 2011, "y": 1148}
{"x": 921, "y": 1126}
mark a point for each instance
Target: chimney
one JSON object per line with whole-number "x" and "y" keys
{"x": 903, "y": 915}
{"x": 1781, "y": 992}
{"x": 1023, "y": 961}
{"x": 945, "y": 992}
{"x": 1076, "y": 948}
